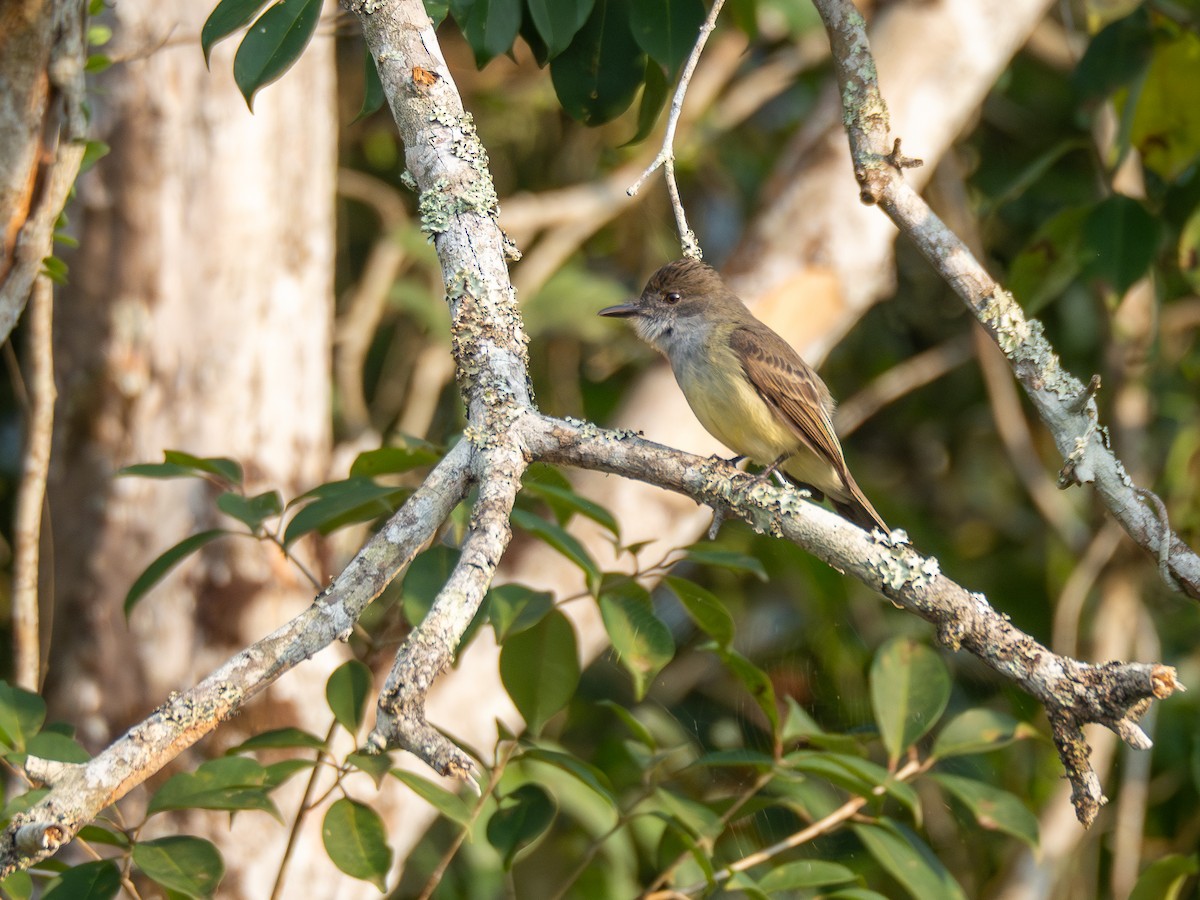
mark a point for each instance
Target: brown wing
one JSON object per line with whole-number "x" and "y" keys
{"x": 791, "y": 387}
{"x": 799, "y": 396}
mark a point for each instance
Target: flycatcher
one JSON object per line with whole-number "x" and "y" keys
{"x": 745, "y": 383}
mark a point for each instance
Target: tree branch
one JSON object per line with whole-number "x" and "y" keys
{"x": 1067, "y": 407}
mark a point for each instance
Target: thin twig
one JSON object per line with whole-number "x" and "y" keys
{"x": 32, "y": 498}
{"x": 666, "y": 157}
{"x": 301, "y": 813}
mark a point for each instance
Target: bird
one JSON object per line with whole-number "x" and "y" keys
{"x": 747, "y": 385}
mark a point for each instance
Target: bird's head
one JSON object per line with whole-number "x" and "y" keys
{"x": 680, "y": 301}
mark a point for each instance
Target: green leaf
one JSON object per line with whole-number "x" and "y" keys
{"x": 279, "y": 739}
{"x": 376, "y": 766}
{"x": 228, "y": 783}
{"x": 346, "y": 692}
{"x": 490, "y": 26}
{"x": 907, "y": 859}
{"x": 979, "y": 731}
{"x": 17, "y": 886}
{"x": 60, "y": 747}
{"x": 273, "y": 43}
{"x": 1166, "y": 122}
{"x": 55, "y": 269}
{"x": 1051, "y": 260}
{"x": 993, "y": 808}
{"x": 754, "y": 680}
{"x": 583, "y": 772}
{"x": 642, "y": 641}
{"x": 437, "y": 10}
{"x": 740, "y": 756}
{"x": 190, "y": 866}
{"x": 857, "y": 775}
{"x": 22, "y": 714}
{"x": 251, "y": 511}
{"x": 523, "y": 817}
{"x": 636, "y": 728}
{"x": 394, "y": 460}
{"x": 700, "y": 821}
{"x": 277, "y": 773}
{"x": 560, "y": 540}
{"x": 598, "y": 75}
{"x": 1115, "y": 57}
{"x": 170, "y": 558}
{"x": 1189, "y": 250}
{"x": 744, "y": 884}
{"x": 94, "y": 834}
{"x": 557, "y": 21}
{"x": 910, "y": 688}
{"x": 1120, "y": 241}
{"x": 425, "y": 577}
{"x": 1164, "y": 878}
{"x": 512, "y": 608}
{"x": 725, "y": 559}
{"x": 654, "y": 97}
{"x": 373, "y": 96}
{"x": 704, "y": 607}
{"x": 356, "y": 841}
{"x": 449, "y": 805}
{"x": 221, "y": 467}
{"x": 805, "y": 873}
{"x": 339, "y": 503}
{"x": 93, "y": 152}
{"x": 228, "y": 17}
{"x": 539, "y": 668}
{"x": 98, "y": 880}
{"x": 667, "y": 29}
{"x": 564, "y": 501}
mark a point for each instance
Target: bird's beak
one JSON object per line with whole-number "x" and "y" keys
{"x": 622, "y": 310}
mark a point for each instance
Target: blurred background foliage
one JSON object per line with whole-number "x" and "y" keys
{"x": 1104, "y": 93}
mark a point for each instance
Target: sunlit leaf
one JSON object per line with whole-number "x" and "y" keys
{"x": 642, "y": 641}
{"x": 805, "y": 873}
{"x": 993, "y": 808}
{"x": 910, "y": 688}
{"x": 1164, "y": 878}
{"x": 979, "y": 731}
{"x": 22, "y": 713}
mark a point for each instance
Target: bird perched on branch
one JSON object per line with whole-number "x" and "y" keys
{"x": 745, "y": 383}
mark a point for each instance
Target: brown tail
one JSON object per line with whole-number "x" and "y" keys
{"x": 858, "y": 509}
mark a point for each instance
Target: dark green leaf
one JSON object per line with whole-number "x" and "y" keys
{"x": 725, "y": 559}
{"x": 910, "y": 688}
{"x": 341, "y": 503}
{"x": 754, "y": 680}
{"x": 227, "y": 783}
{"x": 228, "y": 17}
{"x": 523, "y": 817}
{"x": 17, "y": 886}
{"x": 1050, "y": 261}
{"x": 449, "y": 805}
{"x": 251, "y": 511}
{"x": 223, "y": 468}
{"x": 857, "y": 775}
{"x": 1115, "y": 57}
{"x": 347, "y": 691}
{"x": 356, "y": 841}
{"x": 800, "y": 727}
{"x": 734, "y": 758}
{"x": 1189, "y": 250}
{"x": 583, "y": 772}
{"x": 804, "y": 873}
{"x": 279, "y": 739}
{"x": 426, "y": 576}
{"x": 94, "y": 834}
{"x": 558, "y": 21}
{"x": 540, "y": 669}
{"x": 437, "y": 10}
{"x": 373, "y": 99}
{"x": 188, "y": 865}
{"x": 559, "y": 539}
{"x": 675, "y": 842}
{"x": 993, "y": 809}
{"x": 273, "y": 43}
{"x": 564, "y": 501}
{"x": 907, "y": 859}
{"x": 170, "y": 558}
{"x": 393, "y": 460}
{"x": 636, "y": 728}
{"x": 654, "y": 97}
{"x": 704, "y": 607}
{"x": 375, "y": 765}
{"x": 978, "y": 731}
{"x": 642, "y": 641}
{"x": 1164, "y": 878}
{"x": 21, "y": 716}
{"x": 744, "y": 884}
{"x": 98, "y": 880}
{"x": 667, "y": 29}
{"x": 277, "y": 773}
{"x": 513, "y": 607}
{"x": 598, "y": 75}
{"x": 490, "y": 26}
{"x": 49, "y": 745}
{"x": 1120, "y": 240}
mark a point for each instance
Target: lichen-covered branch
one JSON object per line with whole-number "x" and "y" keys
{"x": 1074, "y": 693}
{"x": 78, "y": 793}
{"x": 1067, "y": 406}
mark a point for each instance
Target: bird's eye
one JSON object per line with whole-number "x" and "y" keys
{"x": 673, "y": 297}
